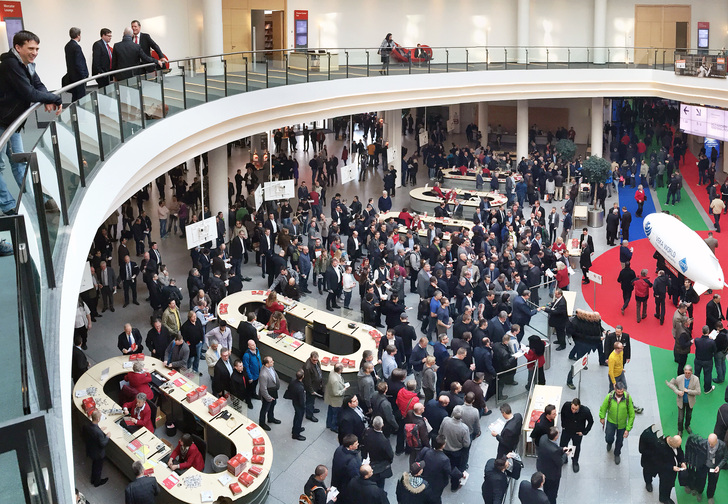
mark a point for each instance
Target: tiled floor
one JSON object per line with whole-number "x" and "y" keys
{"x": 599, "y": 480}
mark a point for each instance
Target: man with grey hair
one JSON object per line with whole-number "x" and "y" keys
{"x": 457, "y": 439}
{"x": 144, "y": 489}
{"x": 212, "y": 355}
{"x": 686, "y": 388}
{"x": 378, "y": 449}
{"x": 76, "y": 68}
{"x": 127, "y": 54}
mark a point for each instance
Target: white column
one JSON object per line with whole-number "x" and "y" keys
{"x": 454, "y": 113}
{"x": 212, "y": 29}
{"x": 597, "y": 126}
{"x": 522, "y": 130}
{"x": 217, "y": 173}
{"x": 524, "y": 8}
{"x": 600, "y": 31}
{"x": 393, "y": 135}
{"x": 483, "y": 121}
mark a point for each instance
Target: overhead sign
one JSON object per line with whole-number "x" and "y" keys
{"x": 279, "y": 189}
{"x": 704, "y": 121}
{"x": 594, "y": 277}
{"x": 201, "y": 232}
{"x": 579, "y": 365}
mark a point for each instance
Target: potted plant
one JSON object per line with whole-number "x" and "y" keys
{"x": 596, "y": 171}
{"x": 565, "y": 152}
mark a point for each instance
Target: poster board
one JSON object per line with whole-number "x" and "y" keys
{"x": 201, "y": 232}
{"x": 349, "y": 173}
{"x": 87, "y": 281}
{"x": 258, "y": 196}
{"x": 279, "y": 189}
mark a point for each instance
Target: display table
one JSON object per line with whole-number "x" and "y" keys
{"x": 446, "y": 224}
{"x": 343, "y": 344}
{"x": 542, "y": 396}
{"x": 453, "y": 178}
{"x": 424, "y": 199}
{"x": 232, "y": 433}
{"x": 317, "y": 61}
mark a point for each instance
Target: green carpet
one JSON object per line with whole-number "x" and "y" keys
{"x": 706, "y": 406}
{"x": 685, "y": 209}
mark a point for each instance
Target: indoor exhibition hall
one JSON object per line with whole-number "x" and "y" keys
{"x": 306, "y": 252}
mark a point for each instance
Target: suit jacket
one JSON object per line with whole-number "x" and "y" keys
{"x": 247, "y": 332}
{"x": 528, "y": 495}
{"x": 100, "y": 62}
{"x": 142, "y": 490}
{"x": 111, "y": 277}
{"x": 144, "y": 419}
{"x": 96, "y": 441}
{"x": 350, "y": 423}
{"x": 123, "y": 272}
{"x": 611, "y": 339}
{"x": 221, "y": 378}
{"x": 558, "y": 313}
{"x": 551, "y": 458}
{"x": 128, "y": 54}
{"x": 124, "y": 341}
{"x": 267, "y": 388}
{"x": 693, "y": 390}
{"x": 79, "y": 363}
{"x": 713, "y": 314}
{"x": 511, "y": 434}
{"x": 438, "y": 470}
{"x": 379, "y": 450}
{"x": 147, "y": 44}
{"x": 237, "y": 248}
{"x": 76, "y": 68}
{"x": 333, "y": 282}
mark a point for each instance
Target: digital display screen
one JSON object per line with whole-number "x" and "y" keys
{"x": 302, "y": 26}
{"x": 702, "y": 38}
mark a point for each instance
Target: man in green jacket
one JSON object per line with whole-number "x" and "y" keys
{"x": 618, "y": 410}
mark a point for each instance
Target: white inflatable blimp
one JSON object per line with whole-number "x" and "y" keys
{"x": 685, "y": 250}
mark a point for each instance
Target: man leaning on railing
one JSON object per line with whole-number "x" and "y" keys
{"x": 20, "y": 86}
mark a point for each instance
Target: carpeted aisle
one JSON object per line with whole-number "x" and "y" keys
{"x": 626, "y": 198}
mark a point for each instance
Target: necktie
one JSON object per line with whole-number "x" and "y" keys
{"x": 106, "y": 278}
{"x": 128, "y": 271}
{"x": 136, "y": 39}
{"x": 131, "y": 341}
{"x": 108, "y": 48}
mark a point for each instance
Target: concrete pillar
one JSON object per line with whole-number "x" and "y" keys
{"x": 483, "y": 121}
{"x": 524, "y": 8}
{"x": 217, "y": 183}
{"x": 522, "y": 130}
{"x": 212, "y": 29}
{"x": 393, "y": 135}
{"x": 454, "y": 115}
{"x": 600, "y": 32}
{"x": 597, "y": 126}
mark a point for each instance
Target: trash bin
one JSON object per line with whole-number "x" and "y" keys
{"x": 546, "y": 353}
{"x": 596, "y": 218}
{"x": 171, "y": 429}
{"x": 219, "y": 463}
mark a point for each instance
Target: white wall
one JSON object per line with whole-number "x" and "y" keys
{"x": 176, "y": 25}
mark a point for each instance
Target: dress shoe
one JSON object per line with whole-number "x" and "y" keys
{"x": 93, "y": 319}
{"x": 250, "y": 405}
{"x": 690, "y": 431}
{"x": 265, "y": 427}
{"x": 99, "y": 315}
{"x": 336, "y": 306}
{"x": 313, "y": 419}
{"x": 560, "y": 348}
{"x": 136, "y": 302}
{"x": 617, "y": 459}
{"x": 329, "y": 308}
{"x": 571, "y": 386}
{"x": 316, "y": 410}
{"x": 576, "y": 467}
{"x": 648, "y": 487}
{"x": 247, "y": 279}
{"x": 487, "y": 412}
{"x": 112, "y": 309}
{"x": 84, "y": 347}
{"x": 103, "y": 310}
{"x": 274, "y": 421}
{"x": 303, "y": 429}
{"x": 711, "y": 389}
{"x": 102, "y": 481}
{"x": 125, "y": 305}
{"x": 503, "y": 397}
{"x": 299, "y": 438}
{"x": 609, "y": 447}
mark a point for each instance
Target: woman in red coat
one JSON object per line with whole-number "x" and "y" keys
{"x": 139, "y": 413}
{"x": 272, "y": 303}
{"x": 640, "y": 197}
{"x": 278, "y": 324}
{"x": 186, "y": 455}
{"x": 562, "y": 276}
{"x": 139, "y": 380}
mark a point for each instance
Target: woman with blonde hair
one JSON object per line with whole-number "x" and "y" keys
{"x": 277, "y": 323}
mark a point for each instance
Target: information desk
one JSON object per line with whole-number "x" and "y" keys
{"x": 323, "y": 331}
{"x": 446, "y": 224}
{"x": 542, "y": 396}
{"x": 231, "y": 434}
{"x": 453, "y": 178}
{"x": 424, "y": 199}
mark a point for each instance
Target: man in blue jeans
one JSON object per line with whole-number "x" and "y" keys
{"x": 617, "y": 416}
{"x": 705, "y": 351}
{"x": 20, "y": 86}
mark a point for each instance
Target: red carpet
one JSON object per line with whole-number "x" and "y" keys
{"x": 689, "y": 171}
{"x": 609, "y": 295}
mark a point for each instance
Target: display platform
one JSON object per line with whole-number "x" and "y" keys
{"x": 424, "y": 199}
{"x": 222, "y": 436}
{"x": 446, "y": 224}
{"x": 453, "y": 178}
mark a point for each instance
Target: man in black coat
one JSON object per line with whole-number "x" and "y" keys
{"x": 456, "y": 370}
{"x": 544, "y": 423}
{"x": 713, "y": 311}
{"x": 332, "y": 278}
{"x": 128, "y": 272}
{"x": 626, "y": 221}
{"x": 378, "y": 449}
{"x": 79, "y": 362}
{"x": 96, "y": 440}
{"x": 558, "y": 317}
{"x": 128, "y": 54}
{"x": 612, "y": 226}
{"x": 297, "y": 394}
{"x": 144, "y": 40}
{"x": 510, "y": 435}
{"x": 407, "y": 334}
{"x": 617, "y": 335}
{"x": 364, "y": 490}
{"x": 247, "y": 331}
{"x": 76, "y": 68}
{"x": 351, "y": 419}
{"x": 223, "y": 371}
{"x": 346, "y": 462}
{"x": 529, "y": 492}
{"x": 551, "y": 458}
{"x": 130, "y": 341}
{"x": 576, "y": 422}
{"x": 158, "y": 339}
{"x": 438, "y": 471}
{"x": 101, "y": 57}
{"x": 496, "y": 476}
{"x": 144, "y": 489}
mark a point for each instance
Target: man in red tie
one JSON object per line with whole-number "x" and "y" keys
{"x": 101, "y": 62}
{"x": 146, "y": 42}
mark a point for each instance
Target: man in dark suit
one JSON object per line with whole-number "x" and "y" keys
{"x": 511, "y": 434}
{"x": 551, "y": 458}
{"x": 79, "y": 363}
{"x": 130, "y": 341}
{"x": 76, "y": 68}
{"x": 238, "y": 252}
{"x": 351, "y": 419}
{"x": 145, "y": 41}
{"x": 267, "y": 244}
{"x": 223, "y": 371}
{"x": 618, "y": 335}
{"x": 102, "y": 56}
{"x": 297, "y": 394}
{"x": 96, "y": 440}
{"x": 333, "y": 284}
{"x": 128, "y": 274}
{"x": 438, "y": 472}
{"x": 158, "y": 339}
{"x": 247, "y": 332}
{"x": 529, "y": 492}
{"x": 558, "y": 317}
{"x": 713, "y": 312}
{"x": 144, "y": 489}
{"x": 128, "y": 54}
{"x": 108, "y": 286}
